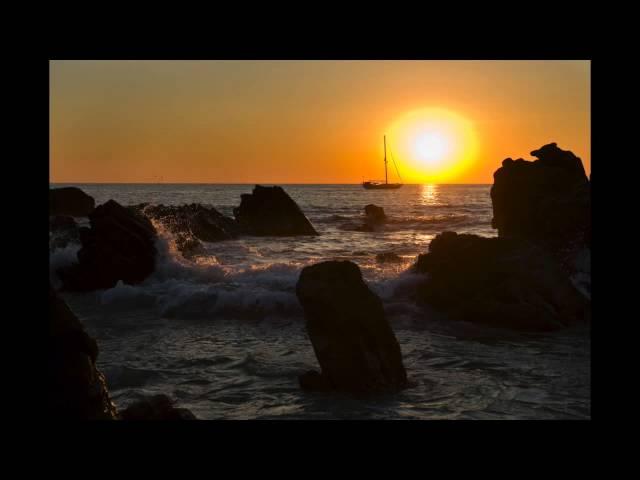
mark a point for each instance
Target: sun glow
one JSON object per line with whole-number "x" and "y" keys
{"x": 432, "y": 145}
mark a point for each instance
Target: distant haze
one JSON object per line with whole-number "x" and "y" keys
{"x": 298, "y": 121}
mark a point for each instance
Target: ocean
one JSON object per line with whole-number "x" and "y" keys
{"x": 223, "y": 334}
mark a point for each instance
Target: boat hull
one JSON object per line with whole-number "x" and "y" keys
{"x": 381, "y": 186}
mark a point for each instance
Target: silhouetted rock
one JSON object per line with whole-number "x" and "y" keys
{"x": 374, "y": 213}
{"x": 499, "y": 282}
{"x": 63, "y": 231}
{"x": 388, "y": 257}
{"x": 77, "y": 389}
{"x": 120, "y": 245}
{"x": 374, "y": 217}
{"x": 191, "y": 224}
{"x": 70, "y": 201}
{"x": 547, "y": 201}
{"x": 270, "y": 211}
{"x": 355, "y": 346}
{"x": 204, "y": 223}
{"x": 157, "y": 407}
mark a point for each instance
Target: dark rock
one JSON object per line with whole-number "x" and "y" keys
{"x": 70, "y": 201}
{"x": 270, "y": 211}
{"x": 374, "y": 213}
{"x": 499, "y": 282}
{"x": 204, "y": 223}
{"x": 157, "y": 407}
{"x": 77, "y": 389}
{"x": 374, "y": 217}
{"x": 120, "y": 245}
{"x": 314, "y": 381}
{"x": 191, "y": 224}
{"x": 547, "y": 201}
{"x": 388, "y": 257}
{"x": 355, "y": 346}
{"x": 63, "y": 231}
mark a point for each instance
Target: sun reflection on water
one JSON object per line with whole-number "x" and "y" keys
{"x": 430, "y": 194}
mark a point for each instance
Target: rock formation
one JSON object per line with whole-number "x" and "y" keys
{"x": 270, "y": 211}
{"x": 70, "y": 201}
{"x": 355, "y": 346}
{"x": 120, "y": 245}
{"x": 500, "y": 282}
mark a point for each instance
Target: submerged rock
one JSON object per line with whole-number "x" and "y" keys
{"x": 157, "y": 407}
{"x": 270, "y": 211}
{"x": 70, "y": 201}
{"x": 120, "y": 245}
{"x": 77, "y": 389}
{"x": 388, "y": 257}
{"x": 355, "y": 346}
{"x": 499, "y": 282}
{"x": 546, "y": 201}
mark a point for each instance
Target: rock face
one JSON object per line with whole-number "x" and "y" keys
{"x": 355, "y": 346}
{"x": 499, "y": 282}
{"x": 192, "y": 224}
{"x": 157, "y": 407}
{"x": 63, "y": 231}
{"x": 547, "y": 201}
{"x": 70, "y": 201}
{"x": 270, "y": 211}
{"x": 118, "y": 246}
{"x": 77, "y": 389}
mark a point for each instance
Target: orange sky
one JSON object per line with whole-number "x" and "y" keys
{"x": 301, "y": 121}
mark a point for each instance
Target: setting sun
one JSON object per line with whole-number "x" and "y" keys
{"x": 433, "y": 144}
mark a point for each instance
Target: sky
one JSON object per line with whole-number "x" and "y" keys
{"x": 310, "y": 121}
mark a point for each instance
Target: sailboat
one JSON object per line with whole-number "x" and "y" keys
{"x": 378, "y": 185}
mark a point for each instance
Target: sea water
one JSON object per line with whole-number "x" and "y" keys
{"x": 223, "y": 333}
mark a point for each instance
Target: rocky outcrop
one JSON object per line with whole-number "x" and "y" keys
{"x": 269, "y": 211}
{"x": 374, "y": 216}
{"x": 157, "y": 407}
{"x": 355, "y": 346}
{"x": 120, "y": 245}
{"x": 500, "y": 282}
{"x": 546, "y": 201}
{"x": 70, "y": 201}
{"x": 192, "y": 224}
{"x": 63, "y": 230}
{"x": 77, "y": 389}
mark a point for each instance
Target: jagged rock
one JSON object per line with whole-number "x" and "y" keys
{"x": 547, "y": 201}
{"x": 77, "y": 389}
{"x": 270, "y": 211}
{"x": 500, "y": 282}
{"x": 70, "y": 201}
{"x": 204, "y": 223}
{"x": 157, "y": 407}
{"x": 355, "y": 346}
{"x": 120, "y": 245}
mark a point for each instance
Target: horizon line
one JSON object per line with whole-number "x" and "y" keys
{"x": 248, "y": 183}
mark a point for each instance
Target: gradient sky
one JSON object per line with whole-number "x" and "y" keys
{"x": 298, "y": 121}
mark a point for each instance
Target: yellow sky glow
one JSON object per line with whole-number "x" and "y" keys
{"x": 309, "y": 121}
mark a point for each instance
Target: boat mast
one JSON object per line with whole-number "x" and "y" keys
{"x": 385, "y": 160}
